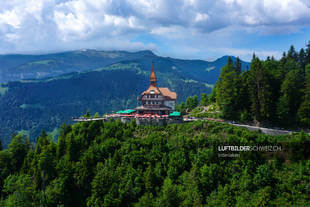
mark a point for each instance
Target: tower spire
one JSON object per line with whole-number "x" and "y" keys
{"x": 153, "y": 76}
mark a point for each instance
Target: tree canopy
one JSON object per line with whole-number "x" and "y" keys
{"x": 114, "y": 164}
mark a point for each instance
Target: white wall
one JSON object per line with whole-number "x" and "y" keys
{"x": 169, "y": 104}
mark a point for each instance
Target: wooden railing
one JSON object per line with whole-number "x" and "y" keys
{"x": 153, "y": 105}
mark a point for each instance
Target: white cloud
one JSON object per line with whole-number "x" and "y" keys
{"x": 200, "y": 17}
{"x": 50, "y": 25}
{"x": 10, "y": 18}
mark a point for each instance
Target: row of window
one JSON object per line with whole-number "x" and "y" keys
{"x": 152, "y": 102}
{"x": 151, "y": 95}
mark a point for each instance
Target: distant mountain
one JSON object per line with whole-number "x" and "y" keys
{"x": 20, "y": 67}
{"x": 100, "y": 81}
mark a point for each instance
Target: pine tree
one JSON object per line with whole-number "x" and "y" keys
{"x": 212, "y": 96}
{"x": 292, "y": 53}
{"x": 304, "y": 109}
{"x": 245, "y": 104}
{"x": 18, "y": 148}
{"x": 189, "y": 103}
{"x": 192, "y": 102}
{"x": 273, "y": 77}
{"x": 238, "y": 66}
{"x": 204, "y": 101}
{"x": 195, "y": 101}
{"x": 238, "y": 88}
{"x": 291, "y": 94}
{"x": 307, "y": 55}
{"x": 302, "y": 58}
{"x": 259, "y": 91}
{"x": 42, "y": 142}
{"x": 181, "y": 107}
{"x": 226, "y": 91}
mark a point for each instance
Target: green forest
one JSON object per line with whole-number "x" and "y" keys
{"x": 115, "y": 164}
{"x": 275, "y": 92}
{"x": 272, "y": 93}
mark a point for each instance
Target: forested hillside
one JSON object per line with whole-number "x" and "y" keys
{"x": 112, "y": 164}
{"x": 31, "y": 106}
{"x": 272, "y": 92}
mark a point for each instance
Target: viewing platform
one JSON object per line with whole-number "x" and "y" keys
{"x": 141, "y": 119}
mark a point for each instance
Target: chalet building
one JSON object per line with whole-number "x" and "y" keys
{"x": 156, "y": 100}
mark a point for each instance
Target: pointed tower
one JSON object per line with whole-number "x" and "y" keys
{"x": 156, "y": 100}
{"x": 153, "y": 76}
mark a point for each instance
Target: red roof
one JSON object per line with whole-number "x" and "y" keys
{"x": 163, "y": 91}
{"x": 166, "y": 92}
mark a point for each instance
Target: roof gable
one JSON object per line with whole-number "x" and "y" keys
{"x": 166, "y": 92}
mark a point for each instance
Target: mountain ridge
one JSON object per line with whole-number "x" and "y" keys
{"x": 16, "y": 67}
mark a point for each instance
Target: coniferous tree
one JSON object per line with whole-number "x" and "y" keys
{"x": 195, "y": 101}
{"x": 238, "y": 88}
{"x": 259, "y": 91}
{"x": 245, "y": 103}
{"x": 302, "y": 58}
{"x": 212, "y": 95}
{"x": 291, "y": 97}
{"x": 292, "y": 53}
{"x": 181, "y": 107}
{"x": 42, "y": 142}
{"x": 307, "y": 55}
{"x": 18, "y": 148}
{"x": 20, "y": 190}
{"x": 274, "y": 80}
{"x": 204, "y": 101}
{"x": 225, "y": 90}
{"x": 192, "y": 102}
{"x": 283, "y": 67}
{"x": 238, "y": 66}
{"x": 304, "y": 109}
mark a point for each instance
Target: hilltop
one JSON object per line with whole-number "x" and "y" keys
{"x": 71, "y": 83}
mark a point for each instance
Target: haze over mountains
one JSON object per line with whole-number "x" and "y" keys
{"x": 43, "y": 91}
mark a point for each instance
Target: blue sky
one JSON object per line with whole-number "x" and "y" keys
{"x": 190, "y": 29}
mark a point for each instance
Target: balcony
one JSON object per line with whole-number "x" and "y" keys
{"x": 152, "y": 105}
{"x": 152, "y": 99}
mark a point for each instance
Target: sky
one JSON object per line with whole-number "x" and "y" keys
{"x": 188, "y": 29}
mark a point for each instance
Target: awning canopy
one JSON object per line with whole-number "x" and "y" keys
{"x": 128, "y": 111}
{"x": 175, "y": 113}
